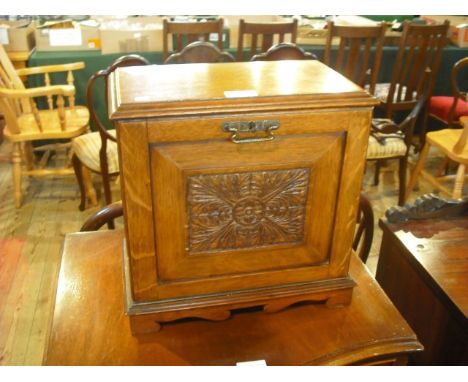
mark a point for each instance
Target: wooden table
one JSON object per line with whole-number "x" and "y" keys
{"x": 90, "y": 328}
{"x": 423, "y": 268}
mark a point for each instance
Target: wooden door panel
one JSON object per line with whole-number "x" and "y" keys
{"x": 226, "y": 210}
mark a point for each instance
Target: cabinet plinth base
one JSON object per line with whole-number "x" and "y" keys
{"x": 148, "y": 317}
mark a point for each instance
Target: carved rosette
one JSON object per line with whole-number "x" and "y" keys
{"x": 246, "y": 210}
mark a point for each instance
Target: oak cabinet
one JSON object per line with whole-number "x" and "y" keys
{"x": 240, "y": 184}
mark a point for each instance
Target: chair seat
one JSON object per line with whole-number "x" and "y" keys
{"x": 390, "y": 148}
{"x": 445, "y": 140}
{"x": 439, "y": 107}
{"x": 77, "y": 121}
{"x": 382, "y": 89}
{"x": 87, "y": 146}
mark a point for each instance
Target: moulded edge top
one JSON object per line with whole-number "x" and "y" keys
{"x": 200, "y": 89}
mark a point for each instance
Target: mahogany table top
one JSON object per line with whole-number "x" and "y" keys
{"x": 438, "y": 248}
{"x": 90, "y": 327}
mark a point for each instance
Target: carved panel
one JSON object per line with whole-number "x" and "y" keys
{"x": 245, "y": 210}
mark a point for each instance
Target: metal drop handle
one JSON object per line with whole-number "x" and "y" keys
{"x": 247, "y": 131}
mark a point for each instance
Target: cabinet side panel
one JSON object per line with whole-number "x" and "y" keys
{"x": 350, "y": 187}
{"x": 136, "y": 198}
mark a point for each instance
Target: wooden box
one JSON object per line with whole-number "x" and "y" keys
{"x": 240, "y": 185}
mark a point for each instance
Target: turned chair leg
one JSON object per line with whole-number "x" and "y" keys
{"x": 378, "y": 164}
{"x": 79, "y": 178}
{"x": 402, "y": 180}
{"x": 105, "y": 175}
{"x": 106, "y": 180}
{"x": 417, "y": 170}
{"x": 107, "y": 190}
{"x": 90, "y": 191}
{"x": 28, "y": 155}
{"x": 459, "y": 179}
{"x": 16, "y": 164}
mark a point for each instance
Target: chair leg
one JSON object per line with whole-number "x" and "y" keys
{"x": 378, "y": 164}
{"x": 423, "y": 130}
{"x": 106, "y": 183}
{"x": 107, "y": 190}
{"x": 77, "y": 166}
{"x": 28, "y": 155}
{"x": 417, "y": 170}
{"x": 90, "y": 192}
{"x": 444, "y": 167}
{"x": 459, "y": 179}
{"x": 106, "y": 180}
{"x": 402, "y": 180}
{"x": 16, "y": 160}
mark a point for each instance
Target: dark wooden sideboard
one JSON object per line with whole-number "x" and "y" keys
{"x": 90, "y": 327}
{"x": 423, "y": 268}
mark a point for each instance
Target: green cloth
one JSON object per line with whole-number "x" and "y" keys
{"x": 96, "y": 61}
{"x": 389, "y": 18}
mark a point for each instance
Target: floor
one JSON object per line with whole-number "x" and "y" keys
{"x": 30, "y": 250}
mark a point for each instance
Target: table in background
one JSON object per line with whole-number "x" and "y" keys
{"x": 423, "y": 268}
{"x": 90, "y": 328}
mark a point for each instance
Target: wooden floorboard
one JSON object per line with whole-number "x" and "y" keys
{"x": 30, "y": 245}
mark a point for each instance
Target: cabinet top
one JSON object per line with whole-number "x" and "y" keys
{"x": 201, "y": 89}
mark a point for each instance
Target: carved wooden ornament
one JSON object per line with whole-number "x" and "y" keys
{"x": 250, "y": 209}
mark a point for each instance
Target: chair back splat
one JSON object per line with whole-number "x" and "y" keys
{"x": 420, "y": 50}
{"x": 184, "y": 33}
{"x": 359, "y": 52}
{"x": 264, "y": 35}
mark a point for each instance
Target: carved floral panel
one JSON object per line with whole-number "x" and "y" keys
{"x": 246, "y": 210}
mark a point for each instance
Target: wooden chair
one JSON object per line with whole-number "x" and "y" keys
{"x": 420, "y": 50}
{"x": 364, "y": 235}
{"x": 97, "y": 151}
{"x": 389, "y": 140}
{"x": 185, "y": 33}
{"x": 25, "y": 123}
{"x": 105, "y": 215}
{"x": 267, "y": 32}
{"x": 359, "y": 52}
{"x": 449, "y": 109}
{"x": 453, "y": 143}
{"x": 284, "y": 51}
{"x": 199, "y": 52}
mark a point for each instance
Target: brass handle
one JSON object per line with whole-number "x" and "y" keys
{"x": 240, "y": 128}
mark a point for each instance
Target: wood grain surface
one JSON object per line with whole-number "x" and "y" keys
{"x": 321, "y": 122}
{"x": 87, "y": 331}
{"x": 431, "y": 286}
{"x": 163, "y": 90}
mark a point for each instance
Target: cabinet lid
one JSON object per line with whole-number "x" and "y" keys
{"x": 203, "y": 89}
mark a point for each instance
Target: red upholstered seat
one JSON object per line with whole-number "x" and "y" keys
{"x": 440, "y": 106}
